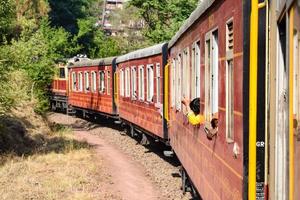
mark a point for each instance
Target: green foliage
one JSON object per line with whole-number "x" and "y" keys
{"x": 66, "y": 13}
{"x": 7, "y": 18}
{"x": 34, "y": 53}
{"x": 93, "y": 41}
{"x": 163, "y": 17}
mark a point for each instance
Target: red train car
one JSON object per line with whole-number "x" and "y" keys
{"x": 140, "y": 90}
{"x": 206, "y": 57}
{"x": 91, "y": 88}
{"x": 59, "y": 88}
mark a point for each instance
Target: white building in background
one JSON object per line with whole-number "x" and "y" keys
{"x": 111, "y": 6}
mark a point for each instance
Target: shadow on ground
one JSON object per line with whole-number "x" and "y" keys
{"x": 15, "y": 141}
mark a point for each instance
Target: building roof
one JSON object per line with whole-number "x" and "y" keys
{"x": 141, "y": 53}
{"x": 202, "y": 7}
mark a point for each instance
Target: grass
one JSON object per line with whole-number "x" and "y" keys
{"x": 58, "y": 168}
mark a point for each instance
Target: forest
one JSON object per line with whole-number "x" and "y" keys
{"x": 35, "y": 34}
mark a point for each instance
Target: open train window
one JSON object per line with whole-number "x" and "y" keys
{"x": 93, "y": 82}
{"x": 80, "y": 81}
{"x": 122, "y": 82}
{"x": 87, "y": 81}
{"x": 173, "y": 83}
{"x": 133, "y": 83}
{"x": 127, "y": 82}
{"x": 178, "y": 82}
{"x": 141, "y": 83}
{"x": 211, "y": 74}
{"x": 186, "y": 74}
{"x": 108, "y": 82}
{"x": 101, "y": 81}
{"x": 74, "y": 81}
{"x": 196, "y": 70}
{"x": 62, "y": 73}
{"x": 158, "y": 84}
{"x": 150, "y": 80}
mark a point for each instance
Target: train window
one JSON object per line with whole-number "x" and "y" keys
{"x": 150, "y": 81}
{"x": 173, "y": 83}
{"x": 211, "y": 74}
{"x": 127, "y": 82}
{"x": 122, "y": 82}
{"x": 196, "y": 70}
{"x": 101, "y": 81}
{"x": 87, "y": 81}
{"x": 62, "y": 73}
{"x": 74, "y": 81}
{"x": 133, "y": 83}
{"x": 93, "y": 82}
{"x": 80, "y": 81}
{"x": 141, "y": 83}
{"x": 186, "y": 74}
{"x": 108, "y": 82}
{"x": 178, "y": 82}
{"x": 158, "y": 79}
{"x": 229, "y": 101}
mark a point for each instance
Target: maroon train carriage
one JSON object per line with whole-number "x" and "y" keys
{"x": 206, "y": 57}
{"x": 140, "y": 90}
{"x": 91, "y": 88}
{"x": 59, "y": 88}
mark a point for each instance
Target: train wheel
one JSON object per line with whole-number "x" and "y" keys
{"x": 132, "y": 134}
{"x": 184, "y": 180}
{"x": 53, "y": 106}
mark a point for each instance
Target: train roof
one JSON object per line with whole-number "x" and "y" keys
{"x": 91, "y": 62}
{"x": 141, "y": 53}
{"x": 202, "y": 7}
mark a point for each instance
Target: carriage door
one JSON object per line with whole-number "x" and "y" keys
{"x": 296, "y": 102}
{"x": 282, "y": 117}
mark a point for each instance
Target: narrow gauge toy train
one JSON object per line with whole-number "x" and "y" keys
{"x": 246, "y": 75}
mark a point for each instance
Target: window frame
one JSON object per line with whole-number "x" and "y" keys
{"x": 122, "y": 82}
{"x": 74, "y": 82}
{"x": 229, "y": 100}
{"x": 80, "y": 81}
{"x": 150, "y": 83}
{"x": 127, "y": 82}
{"x": 87, "y": 81}
{"x": 102, "y": 81}
{"x": 178, "y": 82}
{"x": 173, "y": 83}
{"x": 211, "y": 74}
{"x": 229, "y": 85}
{"x": 134, "y": 95}
{"x": 196, "y": 70}
{"x": 185, "y": 71}
{"x": 141, "y": 84}
{"x": 108, "y": 79}
{"x": 158, "y": 83}
{"x": 94, "y": 81}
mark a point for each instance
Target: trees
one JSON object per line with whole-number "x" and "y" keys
{"x": 66, "y": 13}
{"x": 163, "y": 17}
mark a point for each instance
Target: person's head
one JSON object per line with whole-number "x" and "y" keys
{"x": 195, "y": 106}
{"x": 214, "y": 123}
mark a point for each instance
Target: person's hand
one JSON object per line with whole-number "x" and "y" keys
{"x": 185, "y": 101}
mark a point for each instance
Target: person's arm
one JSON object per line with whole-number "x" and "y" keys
{"x": 187, "y": 108}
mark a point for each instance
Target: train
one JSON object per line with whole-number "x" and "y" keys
{"x": 242, "y": 59}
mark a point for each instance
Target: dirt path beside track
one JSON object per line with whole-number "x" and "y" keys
{"x": 128, "y": 176}
{"x": 137, "y": 172}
